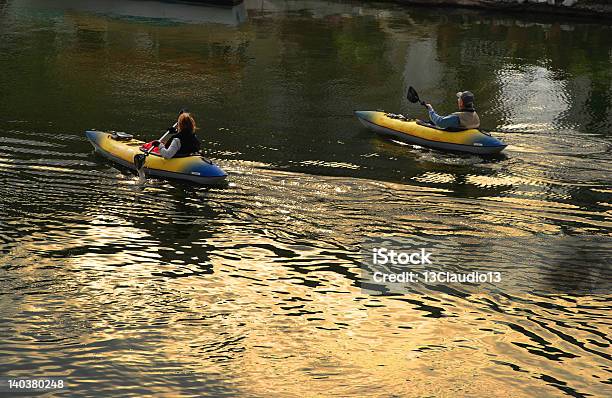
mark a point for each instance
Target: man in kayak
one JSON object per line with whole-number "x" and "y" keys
{"x": 466, "y": 118}
{"x": 182, "y": 141}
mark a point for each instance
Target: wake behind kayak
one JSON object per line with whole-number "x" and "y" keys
{"x": 121, "y": 149}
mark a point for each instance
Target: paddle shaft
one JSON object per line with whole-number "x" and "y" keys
{"x": 167, "y": 133}
{"x": 163, "y": 137}
{"x": 139, "y": 160}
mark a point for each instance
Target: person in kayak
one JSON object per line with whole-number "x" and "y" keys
{"x": 466, "y": 118}
{"x": 182, "y": 141}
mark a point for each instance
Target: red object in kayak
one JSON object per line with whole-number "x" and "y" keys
{"x": 148, "y": 145}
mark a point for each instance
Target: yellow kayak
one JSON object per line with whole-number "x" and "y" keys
{"x": 121, "y": 149}
{"x": 421, "y": 133}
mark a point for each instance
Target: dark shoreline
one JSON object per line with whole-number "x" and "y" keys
{"x": 583, "y": 8}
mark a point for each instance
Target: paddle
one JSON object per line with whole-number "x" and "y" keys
{"x": 139, "y": 159}
{"x": 413, "y": 97}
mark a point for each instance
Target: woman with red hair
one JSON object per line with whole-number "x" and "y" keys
{"x": 182, "y": 141}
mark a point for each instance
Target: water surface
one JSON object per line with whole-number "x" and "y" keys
{"x": 253, "y": 289}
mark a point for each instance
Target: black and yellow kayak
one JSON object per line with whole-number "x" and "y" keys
{"x": 121, "y": 148}
{"x": 424, "y": 134}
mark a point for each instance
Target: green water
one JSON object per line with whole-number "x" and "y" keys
{"x": 252, "y": 289}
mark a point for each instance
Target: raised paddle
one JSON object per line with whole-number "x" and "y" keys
{"x": 413, "y": 97}
{"x": 139, "y": 159}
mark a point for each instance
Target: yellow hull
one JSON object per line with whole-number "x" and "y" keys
{"x": 471, "y": 141}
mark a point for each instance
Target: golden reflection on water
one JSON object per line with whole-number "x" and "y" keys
{"x": 275, "y": 316}
{"x": 238, "y": 322}
{"x": 163, "y": 289}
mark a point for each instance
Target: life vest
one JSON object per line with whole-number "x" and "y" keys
{"x": 189, "y": 143}
{"x": 468, "y": 118}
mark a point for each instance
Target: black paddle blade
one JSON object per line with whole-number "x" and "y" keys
{"x": 139, "y": 160}
{"x": 412, "y": 95}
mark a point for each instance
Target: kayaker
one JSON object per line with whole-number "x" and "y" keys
{"x": 466, "y": 118}
{"x": 182, "y": 141}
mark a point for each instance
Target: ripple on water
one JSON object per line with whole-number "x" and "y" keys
{"x": 254, "y": 289}
{"x": 185, "y": 289}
